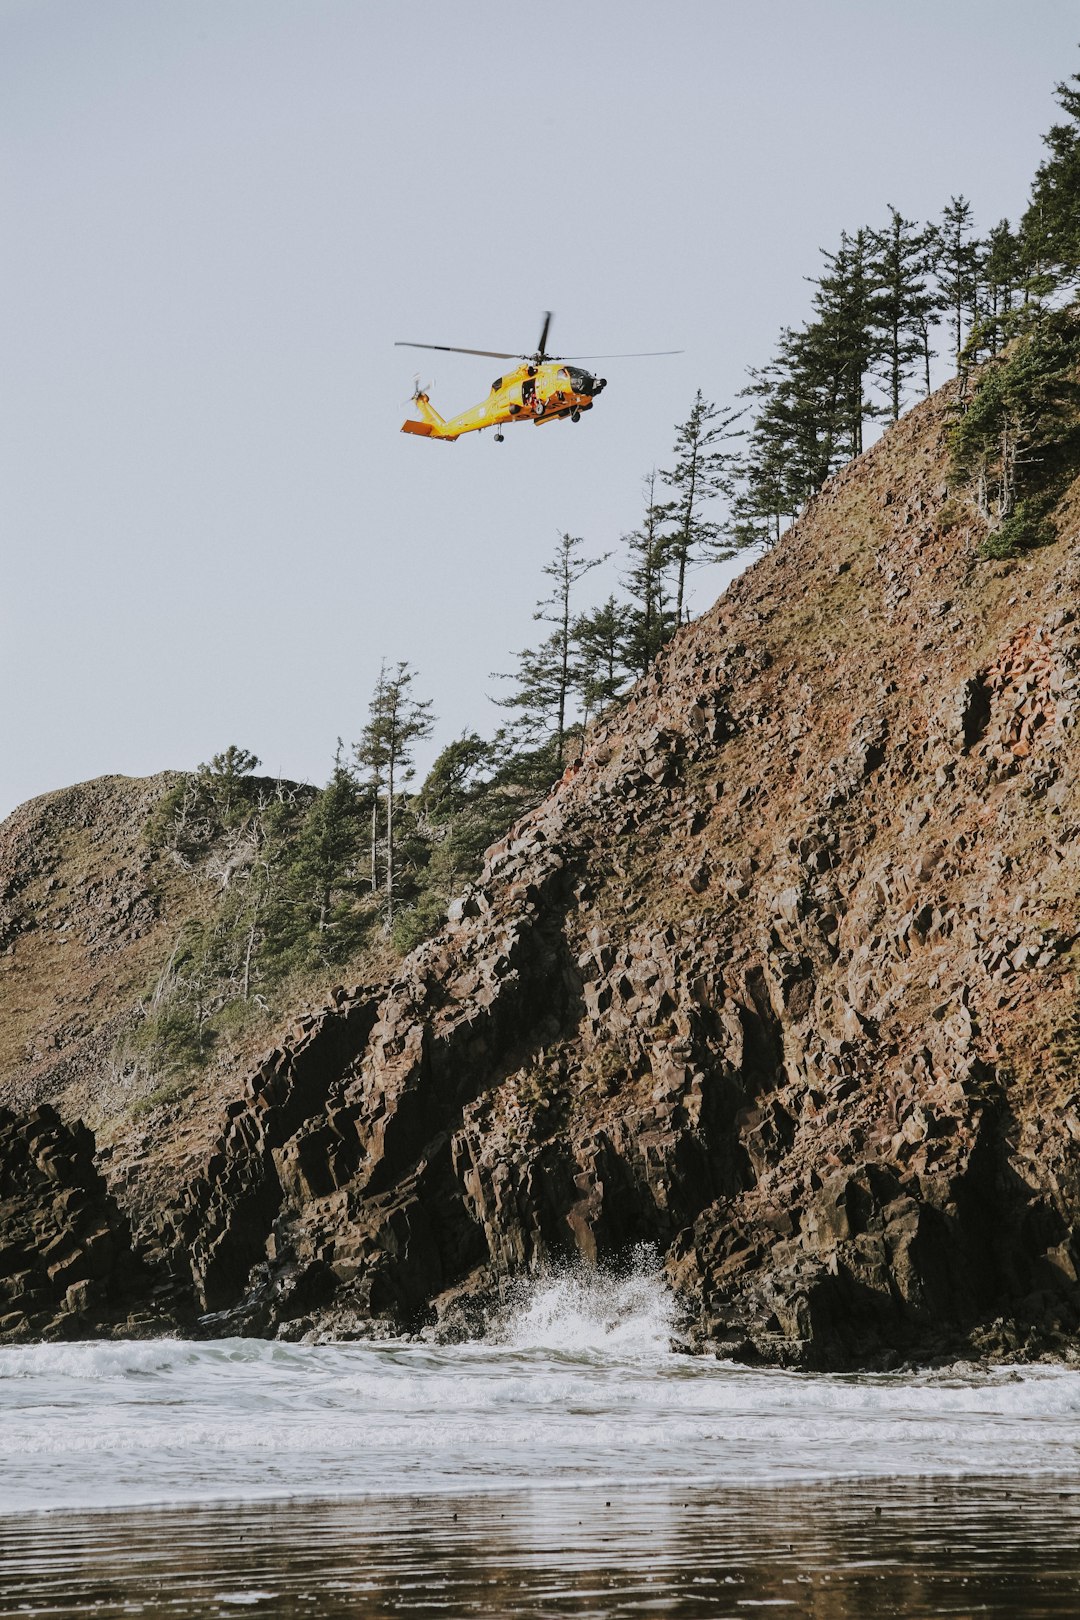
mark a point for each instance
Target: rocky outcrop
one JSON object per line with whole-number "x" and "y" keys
{"x": 66, "y": 1262}
{"x": 781, "y": 980}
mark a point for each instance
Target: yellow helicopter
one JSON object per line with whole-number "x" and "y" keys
{"x": 542, "y": 387}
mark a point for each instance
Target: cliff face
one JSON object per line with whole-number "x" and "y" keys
{"x": 781, "y": 979}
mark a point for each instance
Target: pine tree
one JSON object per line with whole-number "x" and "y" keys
{"x": 1050, "y": 227}
{"x": 812, "y": 396}
{"x": 474, "y": 792}
{"x": 370, "y": 754}
{"x": 396, "y": 720}
{"x": 222, "y": 783}
{"x": 313, "y": 880}
{"x": 702, "y": 471}
{"x": 957, "y": 274}
{"x": 842, "y": 345}
{"x": 328, "y": 853}
{"x": 547, "y": 675}
{"x": 542, "y": 683}
{"x": 461, "y": 807}
{"x": 772, "y": 483}
{"x": 903, "y": 303}
{"x": 1003, "y": 279}
{"x": 599, "y": 640}
{"x": 649, "y": 620}
{"x": 799, "y": 434}
{"x": 928, "y": 319}
{"x": 1019, "y": 432}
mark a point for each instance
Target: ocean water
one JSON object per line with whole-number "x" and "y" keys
{"x": 571, "y": 1463}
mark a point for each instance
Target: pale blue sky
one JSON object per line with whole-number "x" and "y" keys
{"x": 218, "y": 216}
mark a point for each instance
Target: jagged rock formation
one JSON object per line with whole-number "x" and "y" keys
{"x": 780, "y": 979}
{"x": 66, "y": 1262}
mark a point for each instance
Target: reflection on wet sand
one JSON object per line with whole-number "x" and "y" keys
{"x": 846, "y": 1551}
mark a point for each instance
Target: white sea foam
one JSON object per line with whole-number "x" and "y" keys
{"x": 578, "y": 1384}
{"x": 579, "y": 1310}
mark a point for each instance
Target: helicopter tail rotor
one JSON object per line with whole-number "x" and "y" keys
{"x": 421, "y": 390}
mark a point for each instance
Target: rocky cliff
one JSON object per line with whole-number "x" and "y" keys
{"x": 781, "y": 980}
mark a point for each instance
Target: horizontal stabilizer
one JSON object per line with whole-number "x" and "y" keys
{"x": 423, "y": 428}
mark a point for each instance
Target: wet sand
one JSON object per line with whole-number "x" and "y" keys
{"x": 849, "y": 1550}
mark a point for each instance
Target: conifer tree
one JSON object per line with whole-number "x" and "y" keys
{"x": 314, "y": 918}
{"x": 1019, "y": 431}
{"x": 327, "y": 849}
{"x": 1003, "y": 278}
{"x": 547, "y": 675}
{"x": 842, "y": 345}
{"x": 460, "y": 807}
{"x": 473, "y": 793}
{"x": 542, "y": 684}
{"x": 812, "y": 395}
{"x": 599, "y": 639}
{"x": 957, "y": 273}
{"x": 800, "y": 431}
{"x": 222, "y": 780}
{"x": 396, "y": 720}
{"x": 370, "y": 755}
{"x": 1050, "y": 227}
{"x": 903, "y": 303}
{"x": 649, "y": 620}
{"x": 928, "y": 320}
{"x": 773, "y": 482}
{"x": 702, "y": 471}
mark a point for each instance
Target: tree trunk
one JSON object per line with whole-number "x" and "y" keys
{"x": 895, "y": 371}
{"x": 1008, "y": 473}
{"x": 390, "y": 839}
{"x": 564, "y": 673}
{"x": 375, "y": 839}
{"x": 249, "y": 952}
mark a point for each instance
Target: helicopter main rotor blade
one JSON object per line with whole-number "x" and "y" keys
{"x": 544, "y": 330}
{"x": 639, "y": 354}
{"x": 450, "y": 348}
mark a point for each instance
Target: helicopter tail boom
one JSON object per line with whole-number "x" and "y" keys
{"x": 432, "y": 426}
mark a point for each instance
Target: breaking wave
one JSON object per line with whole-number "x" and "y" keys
{"x": 584, "y": 1310}
{"x": 575, "y": 1384}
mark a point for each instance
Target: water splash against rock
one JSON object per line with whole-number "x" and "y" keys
{"x": 625, "y": 1312}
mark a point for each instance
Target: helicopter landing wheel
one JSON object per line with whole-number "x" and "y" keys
{"x": 575, "y": 416}
{"x": 498, "y": 438}
{"x": 538, "y": 409}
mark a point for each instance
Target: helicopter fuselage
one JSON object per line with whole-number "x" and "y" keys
{"x": 544, "y": 391}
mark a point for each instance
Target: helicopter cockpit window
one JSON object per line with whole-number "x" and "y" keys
{"x": 580, "y": 381}
{"x": 496, "y": 385}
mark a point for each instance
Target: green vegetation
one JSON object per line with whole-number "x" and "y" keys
{"x": 1014, "y": 447}
{"x": 161, "y": 1097}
